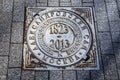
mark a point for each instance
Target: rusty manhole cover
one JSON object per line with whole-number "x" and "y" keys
{"x": 60, "y": 38}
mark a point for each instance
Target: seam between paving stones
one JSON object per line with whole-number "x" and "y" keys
{"x": 10, "y": 38}
{"x": 100, "y": 44}
{"x": 23, "y": 41}
{"x": 118, "y": 8}
{"x": 111, "y": 39}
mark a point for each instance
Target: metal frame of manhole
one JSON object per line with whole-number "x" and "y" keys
{"x": 60, "y": 38}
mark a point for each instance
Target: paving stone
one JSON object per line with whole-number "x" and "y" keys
{"x": 115, "y": 26}
{"x": 119, "y": 73}
{"x": 3, "y": 67}
{"x": 53, "y": 2}
{"x": 98, "y": 74}
{"x": 15, "y": 55}
{"x": 100, "y": 8}
{"x": 99, "y": 3}
{"x": 117, "y": 56}
{"x": 7, "y": 5}
{"x": 14, "y": 74}
{"x": 4, "y": 37}
{"x": 18, "y": 14}
{"x": 104, "y": 36}
{"x": 87, "y": 0}
{"x": 30, "y": 3}
{"x": 106, "y": 47}
{"x": 1, "y": 8}
{"x": 87, "y": 4}
{"x": 101, "y": 15}
{"x": 56, "y": 75}
{"x": 1, "y": 1}
{"x": 5, "y": 28}
{"x": 42, "y": 1}
{"x": 65, "y": 0}
{"x": 109, "y": 65}
{"x": 105, "y": 43}
{"x": 116, "y": 36}
{"x": 76, "y": 2}
{"x": 41, "y": 75}
{"x": 65, "y": 4}
{"x": 17, "y": 32}
{"x": 112, "y": 12}
{"x": 5, "y": 22}
{"x": 4, "y": 48}
{"x": 69, "y": 75}
{"x": 83, "y": 75}
{"x": 6, "y": 18}
{"x": 116, "y": 45}
{"x": 110, "y": 1}
{"x": 41, "y": 4}
{"x": 103, "y": 25}
{"x": 27, "y": 75}
{"x": 118, "y": 4}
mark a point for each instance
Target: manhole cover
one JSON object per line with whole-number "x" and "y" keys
{"x": 60, "y": 38}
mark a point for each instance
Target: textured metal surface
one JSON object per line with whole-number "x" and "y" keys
{"x": 60, "y": 38}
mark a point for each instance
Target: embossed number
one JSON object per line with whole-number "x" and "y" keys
{"x": 59, "y": 44}
{"x": 58, "y": 29}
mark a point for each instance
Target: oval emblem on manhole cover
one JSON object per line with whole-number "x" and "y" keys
{"x": 59, "y": 37}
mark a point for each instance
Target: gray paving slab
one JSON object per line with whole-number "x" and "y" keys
{"x": 65, "y": 0}
{"x": 87, "y": 1}
{"x": 116, "y": 46}
{"x": 118, "y": 4}
{"x": 115, "y": 36}
{"x": 4, "y": 37}
{"x": 27, "y": 75}
{"x": 1, "y": 1}
{"x": 41, "y": 75}
{"x": 30, "y": 3}
{"x": 117, "y": 56}
{"x": 7, "y": 5}
{"x": 14, "y": 74}
{"x": 87, "y": 4}
{"x": 109, "y": 65}
{"x": 112, "y": 11}
{"x": 17, "y": 32}
{"x": 40, "y": 4}
{"x": 18, "y": 12}
{"x": 115, "y": 26}
{"x": 53, "y": 3}
{"x": 4, "y": 48}
{"x": 105, "y": 43}
{"x": 65, "y": 4}
{"x": 101, "y": 15}
{"x": 69, "y": 75}
{"x": 56, "y": 75}
{"x": 103, "y": 25}
{"x": 15, "y": 57}
{"x": 83, "y": 75}
{"x": 98, "y": 74}
{"x": 76, "y": 2}
{"x": 42, "y": 1}
{"x": 5, "y": 22}
{"x": 6, "y": 18}
{"x": 3, "y": 67}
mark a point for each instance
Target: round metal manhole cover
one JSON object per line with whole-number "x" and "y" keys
{"x": 59, "y": 37}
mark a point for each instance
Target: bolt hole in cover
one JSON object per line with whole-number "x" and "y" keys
{"x": 58, "y": 38}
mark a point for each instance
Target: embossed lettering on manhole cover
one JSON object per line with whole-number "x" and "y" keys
{"x": 60, "y": 38}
